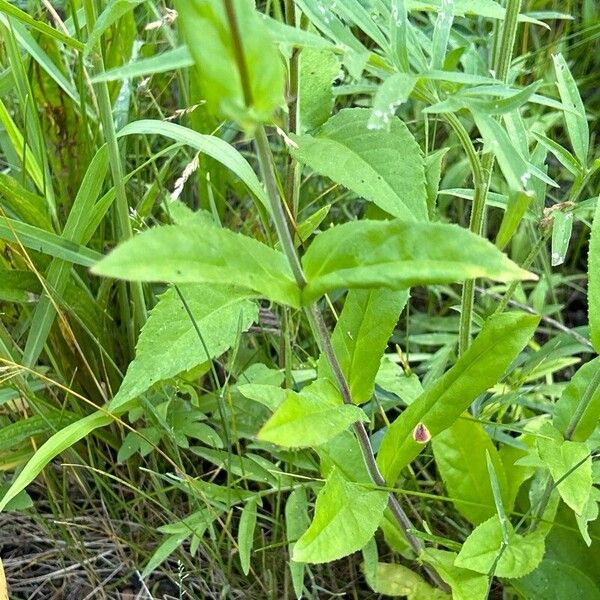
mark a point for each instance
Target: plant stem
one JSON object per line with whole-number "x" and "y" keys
{"x": 482, "y": 177}
{"x": 121, "y": 204}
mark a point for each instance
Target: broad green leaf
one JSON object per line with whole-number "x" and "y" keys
{"x": 556, "y": 580}
{"x": 384, "y": 167}
{"x": 594, "y": 281}
{"x": 460, "y": 453}
{"x": 310, "y": 418}
{"x": 589, "y": 514}
{"x": 171, "y": 60}
{"x": 246, "y": 533}
{"x": 577, "y": 125}
{"x": 484, "y": 550}
{"x": 562, "y": 227}
{"x": 346, "y": 517}
{"x": 398, "y": 255}
{"x": 19, "y": 286}
{"x": 500, "y": 340}
{"x": 398, "y": 580}
{"x": 570, "y": 464}
{"x": 59, "y": 442}
{"x": 206, "y": 28}
{"x": 361, "y": 336}
{"x": 220, "y": 313}
{"x": 393, "y": 92}
{"x": 203, "y": 254}
{"x": 465, "y": 584}
{"x": 518, "y": 203}
{"x": 318, "y": 70}
{"x": 210, "y": 145}
{"x": 570, "y": 399}
{"x": 296, "y": 523}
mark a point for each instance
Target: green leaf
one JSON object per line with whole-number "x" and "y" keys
{"x": 570, "y": 463}
{"x": 465, "y": 584}
{"x": 563, "y": 156}
{"x": 484, "y": 551}
{"x": 518, "y": 203}
{"x": 500, "y": 340}
{"x": 433, "y": 173}
{"x": 361, "y": 336}
{"x": 346, "y": 517}
{"x": 210, "y": 145}
{"x": 570, "y": 398}
{"x": 562, "y": 227}
{"x": 171, "y": 60}
{"x": 513, "y": 166}
{"x": 206, "y": 28}
{"x": 593, "y": 293}
{"x": 392, "y": 93}
{"x": 556, "y": 580}
{"x": 59, "y": 442}
{"x": 220, "y": 314}
{"x": 296, "y": 523}
{"x": 113, "y": 11}
{"x": 398, "y": 580}
{"x": 206, "y": 254}
{"x": 441, "y": 33}
{"x": 246, "y": 533}
{"x": 368, "y": 161}
{"x": 398, "y": 255}
{"x": 318, "y": 70}
{"x": 460, "y": 453}
{"x": 577, "y": 125}
{"x": 12, "y": 11}
{"x": 310, "y": 418}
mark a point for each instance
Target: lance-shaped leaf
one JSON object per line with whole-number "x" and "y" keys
{"x": 361, "y": 335}
{"x": 310, "y": 418}
{"x": 398, "y": 255}
{"x": 218, "y": 315}
{"x": 594, "y": 281}
{"x": 346, "y": 517}
{"x": 500, "y": 340}
{"x": 576, "y": 121}
{"x": 385, "y": 167}
{"x": 196, "y": 253}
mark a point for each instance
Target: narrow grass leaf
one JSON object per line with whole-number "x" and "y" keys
{"x": 59, "y": 442}
{"x": 594, "y": 280}
{"x": 210, "y": 145}
{"x": 246, "y": 533}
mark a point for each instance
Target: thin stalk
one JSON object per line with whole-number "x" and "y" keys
{"x": 121, "y": 204}
{"x": 483, "y": 176}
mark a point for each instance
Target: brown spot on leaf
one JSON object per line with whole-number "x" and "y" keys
{"x": 421, "y": 434}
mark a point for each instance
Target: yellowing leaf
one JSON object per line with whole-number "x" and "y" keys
{"x": 3, "y": 584}
{"x": 398, "y": 580}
